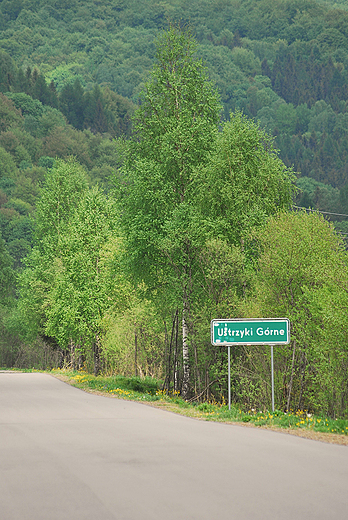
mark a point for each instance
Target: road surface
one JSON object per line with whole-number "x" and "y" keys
{"x": 69, "y": 455}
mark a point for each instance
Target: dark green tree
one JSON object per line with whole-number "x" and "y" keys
{"x": 94, "y": 115}
{"x": 8, "y": 72}
{"x": 72, "y": 104}
{"x": 7, "y": 278}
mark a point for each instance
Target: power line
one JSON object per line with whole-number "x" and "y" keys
{"x": 319, "y": 211}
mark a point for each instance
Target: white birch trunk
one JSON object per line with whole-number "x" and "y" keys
{"x": 185, "y": 352}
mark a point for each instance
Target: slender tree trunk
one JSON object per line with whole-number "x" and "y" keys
{"x": 96, "y": 353}
{"x": 198, "y": 377}
{"x": 176, "y": 370}
{"x": 302, "y": 379}
{"x": 81, "y": 357}
{"x": 135, "y": 349}
{"x": 166, "y": 356}
{"x": 207, "y": 384}
{"x": 72, "y": 355}
{"x": 185, "y": 351}
{"x": 169, "y": 360}
{"x": 244, "y": 279}
{"x": 291, "y": 377}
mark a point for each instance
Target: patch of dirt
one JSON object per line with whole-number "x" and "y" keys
{"x": 62, "y": 377}
{"x": 331, "y": 438}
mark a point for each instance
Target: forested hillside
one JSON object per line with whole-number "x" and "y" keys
{"x": 283, "y": 63}
{"x": 72, "y": 75}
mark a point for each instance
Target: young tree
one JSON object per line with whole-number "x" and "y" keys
{"x": 64, "y": 187}
{"x": 302, "y": 275}
{"x": 71, "y": 279}
{"x": 174, "y": 130}
{"x": 68, "y": 282}
{"x": 84, "y": 285}
{"x": 243, "y": 182}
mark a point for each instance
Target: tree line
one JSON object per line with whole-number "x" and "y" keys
{"x": 100, "y": 110}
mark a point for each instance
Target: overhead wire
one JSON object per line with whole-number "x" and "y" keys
{"x": 342, "y": 233}
{"x": 319, "y": 211}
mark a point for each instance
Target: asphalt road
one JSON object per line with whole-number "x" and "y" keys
{"x": 69, "y": 455}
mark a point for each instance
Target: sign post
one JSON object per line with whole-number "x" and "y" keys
{"x": 229, "y": 377}
{"x": 272, "y": 376}
{"x": 250, "y": 332}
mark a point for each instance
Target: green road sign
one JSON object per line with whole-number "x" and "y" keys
{"x": 250, "y": 332}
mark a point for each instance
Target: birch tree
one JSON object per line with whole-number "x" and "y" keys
{"x": 64, "y": 187}
{"x": 243, "y": 183}
{"x": 70, "y": 281}
{"x": 175, "y": 127}
{"x": 84, "y": 285}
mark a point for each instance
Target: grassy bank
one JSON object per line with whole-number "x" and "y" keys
{"x": 148, "y": 390}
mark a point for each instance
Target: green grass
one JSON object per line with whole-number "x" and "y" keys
{"x": 133, "y": 388}
{"x": 300, "y": 419}
{"x": 148, "y": 390}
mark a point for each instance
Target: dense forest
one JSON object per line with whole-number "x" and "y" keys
{"x": 102, "y": 266}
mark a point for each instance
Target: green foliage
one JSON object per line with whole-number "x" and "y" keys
{"x": 243, "y": 182}
{"x": 26, "y": 104}
{"x": 46, "y": 162}
{"x": 6, "y": 274}
{"x": 69, "y": 282}
{"x": 7, "y": 71}
{"x": 82, "y": 287}
{"x": 7, "y": 164}
{"x": 28, "y": 145}
{"x": 7, "y": 297}
{"x": 64, "y": 187}
{"x": 174, "y": 129}
{"x": 119, "y": 386}
{"x": 301, "y": 49}
{"x": 189, "y": 194}
{"x": 133, "y": 339}
{"x": 314, "y": 194}
{"x": 301, "y": 274}
{"x": 8, "y": 115}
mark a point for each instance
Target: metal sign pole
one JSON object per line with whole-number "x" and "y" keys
{"x": 272, "y": 372}
{"x": 229, "y": 378}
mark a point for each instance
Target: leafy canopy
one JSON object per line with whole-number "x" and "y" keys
{"x": 174, "y": 129}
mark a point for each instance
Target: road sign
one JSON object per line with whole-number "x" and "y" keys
{"x": 250, "y": 332}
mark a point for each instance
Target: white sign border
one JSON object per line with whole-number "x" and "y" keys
{"x": 249, "y": 343}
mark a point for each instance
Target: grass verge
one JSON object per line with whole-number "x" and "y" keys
{"x": 148, "y": 391}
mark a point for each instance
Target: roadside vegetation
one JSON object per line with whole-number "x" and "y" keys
{"x": 149, "y": 390}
